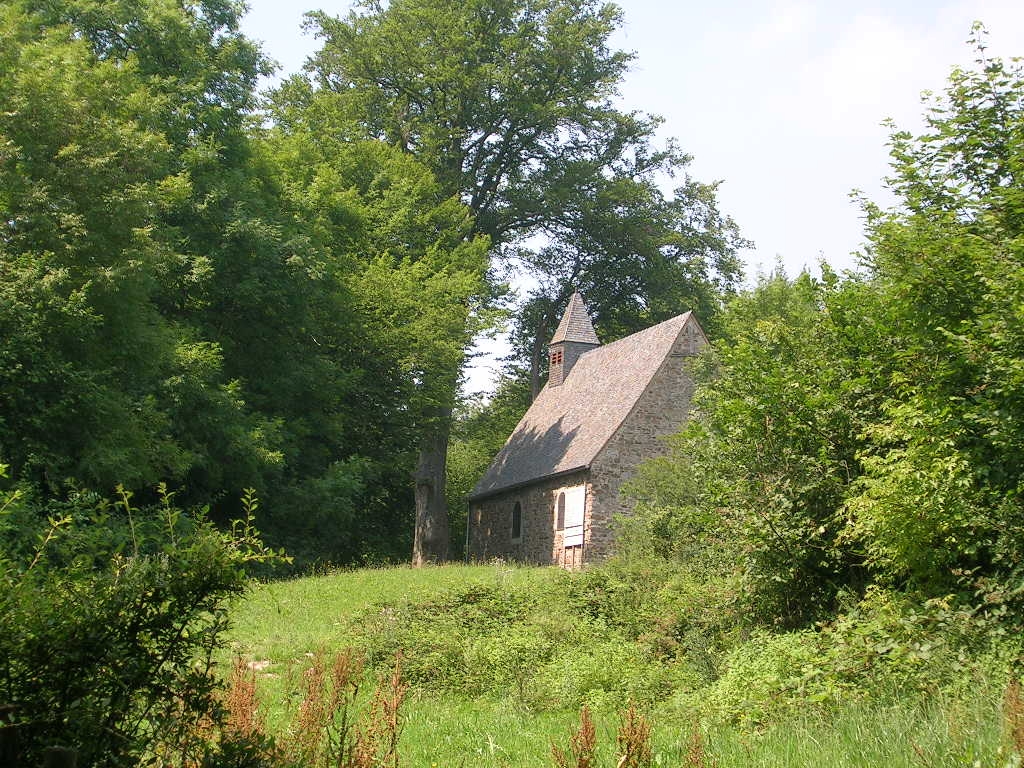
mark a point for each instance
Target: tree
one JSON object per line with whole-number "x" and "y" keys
{"x": 402, "y": 251}
{"x": 264, "y": 309}
{"x": 107, "y": 109}
{"x": 871, "y": 428}
{"x": 941, "y": 490}
{"x": 638, "y": 258}
{"x": 511, "y": 105}
{"x": 757, "y": 479}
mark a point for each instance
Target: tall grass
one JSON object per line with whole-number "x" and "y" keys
{"x": 462, "y": 623}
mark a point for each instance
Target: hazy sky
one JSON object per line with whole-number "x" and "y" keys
{"x": 781, "y": 101}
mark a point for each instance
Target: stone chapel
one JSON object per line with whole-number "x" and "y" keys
{"x": 552, "y": 491}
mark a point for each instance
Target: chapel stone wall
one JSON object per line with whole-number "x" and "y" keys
{"x": 659, "y": 412}
{"x": 490, "y": 521}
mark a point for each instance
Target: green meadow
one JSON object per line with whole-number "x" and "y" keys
{"x": 499, "y": 661}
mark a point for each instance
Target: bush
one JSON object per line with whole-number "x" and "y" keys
{"x": 677, "y": 617}
{"x": 108, "y": 631}
{"x": 602, "y": 675}
{"x": 552, "y": 642}
{"x": 457, "y": 640}
{"x": 768, "y": 676}
{"x": 885, "y": 648}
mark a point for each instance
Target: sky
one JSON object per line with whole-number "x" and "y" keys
{"x": 782, "y": 102}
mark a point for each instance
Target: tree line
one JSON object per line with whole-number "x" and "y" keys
{"x": 217, "y": 288}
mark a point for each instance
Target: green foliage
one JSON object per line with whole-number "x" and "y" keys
{"x": 188, "y": 297}
{"x": 755, "y": 483}
{"x": 601, "y": 674}
{"x": 109, "y": 629}
{"x": 449, "y": 642}
{"x": 399, "y": 286}
{"x": 889, "y": 647}
{"x": 105, "y": 375}
{"x": 512, "y": 107}
{"x": 942, "y": 473}
{"x": 893, "y": 680}
{"x": 867, "y": 428}
{"x": 505, "y": 636}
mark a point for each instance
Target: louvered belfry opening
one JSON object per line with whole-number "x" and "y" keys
{"x": 575, "y": 336}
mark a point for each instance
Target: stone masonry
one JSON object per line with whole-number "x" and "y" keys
{"x": 490, "y": 523}
{"x": 660, "y": 412}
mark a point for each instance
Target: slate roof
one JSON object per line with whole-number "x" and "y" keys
{"x": 568, "y": 425}
{"x": 575, "y": 325}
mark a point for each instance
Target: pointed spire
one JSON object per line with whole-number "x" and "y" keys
{"x": 574, "y": 337}
{"x": 576, "y": 325}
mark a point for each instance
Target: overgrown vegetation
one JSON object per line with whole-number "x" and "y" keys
{"x": 112, "y": 615}
{"x": 860, "y": 433}
{"x": 889, "y": 683}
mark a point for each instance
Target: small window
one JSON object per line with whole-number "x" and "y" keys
{"x": 560, "y": 512}
{"x": 517, "y": 521}
{"x": 556, "y": 357}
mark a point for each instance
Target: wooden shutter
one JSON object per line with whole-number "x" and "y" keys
{"x": 575, "y": 505}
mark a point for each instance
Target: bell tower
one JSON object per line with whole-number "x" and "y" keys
{"x": 574, "y": 336}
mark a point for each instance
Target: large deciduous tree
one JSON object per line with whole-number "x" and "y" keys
{"x": 372, "y": 222}
{"x": 187, "y": 296}
{"x": 512, "y": 105}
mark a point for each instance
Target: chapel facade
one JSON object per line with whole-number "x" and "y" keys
{"x": 552, "y": 492}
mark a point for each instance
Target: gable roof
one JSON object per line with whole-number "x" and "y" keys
{"x": 567, "y": 426}
{"x": 575, "y": 325}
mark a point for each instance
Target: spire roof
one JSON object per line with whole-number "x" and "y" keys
{"x": 576, "y": 325}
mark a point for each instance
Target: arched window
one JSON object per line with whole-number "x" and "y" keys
{"x": 517, "y": 521}
{"x": 560, "y": 512}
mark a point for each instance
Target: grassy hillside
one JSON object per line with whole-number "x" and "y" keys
{"x": 501, "y": 659}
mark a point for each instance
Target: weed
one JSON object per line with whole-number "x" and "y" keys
{"x": 1013, "y": 711}
{"x": 696, "y": 751}
{"x": 322, "y": 731}
{"x": 242, "y": 702}
{"x": 582, "y": 745}
{"x": 634, "y": 740}
{"x": 327, "y": 729}
{"x": 376, "y": 742}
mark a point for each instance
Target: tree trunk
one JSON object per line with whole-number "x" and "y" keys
{"x": 536, "y": 356}
{"x": 540, "y": 338}
{"x": 430, "y": 543}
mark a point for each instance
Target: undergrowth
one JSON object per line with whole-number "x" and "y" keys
{"x": 499, "y": 662}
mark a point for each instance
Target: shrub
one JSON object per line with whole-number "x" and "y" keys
{"x": 107, "y": 633}
{"x": 505, "y": 661}
{"x": 764, "y": 678}
{"x": 457, "y": 639}
{"x": 601, "y": 674}
{"x": 884, "y": 648}
{"x": 677, "y": 617}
